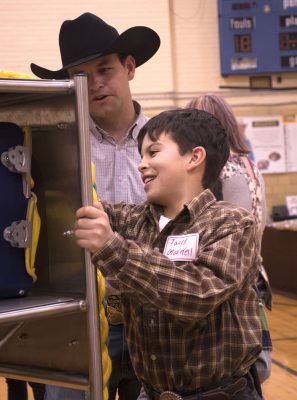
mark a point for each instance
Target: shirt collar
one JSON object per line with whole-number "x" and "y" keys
{"x": 133, "y": 131}
{"x": 200, "y": 203}
{"x": 194, "y": 208}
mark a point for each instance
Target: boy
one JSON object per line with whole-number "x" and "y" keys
{"x": 184, "y": 264}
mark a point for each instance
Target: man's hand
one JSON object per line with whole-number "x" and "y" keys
{"x": 92, "y": 229}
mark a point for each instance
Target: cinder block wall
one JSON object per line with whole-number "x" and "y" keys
{"x": 186, "y": 64}
{"x": 30, "y": 28}
{"x": 278, "y": 187}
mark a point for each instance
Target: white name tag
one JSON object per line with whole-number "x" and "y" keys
{"x": 182, "y": 247}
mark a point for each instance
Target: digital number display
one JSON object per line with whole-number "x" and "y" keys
{"x": 289, "y": 61}
{"x": 288, "y": 41}
{"x": 241, "y": 6}
{"x": 242, "y": 43}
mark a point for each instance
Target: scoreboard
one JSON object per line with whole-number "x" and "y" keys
{"x": 257, "y": 36}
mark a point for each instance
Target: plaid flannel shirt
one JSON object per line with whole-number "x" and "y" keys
{"x": 187, "y": 323}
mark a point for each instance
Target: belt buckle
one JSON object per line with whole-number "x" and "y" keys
{"x": 168, "y": 395}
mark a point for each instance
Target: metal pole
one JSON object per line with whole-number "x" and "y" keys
{"x": 95, "y": 368}
{"x": 35, "y": 86}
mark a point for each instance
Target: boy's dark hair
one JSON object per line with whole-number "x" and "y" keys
{"x": 190, "y": 128}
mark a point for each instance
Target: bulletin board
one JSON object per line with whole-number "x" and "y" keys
{"x": 274, "y": 142}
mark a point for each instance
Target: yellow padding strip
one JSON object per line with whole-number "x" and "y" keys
{"x": 106, "y": 361}
{"x": 30, "y": 252}
{"x": 15, "y": 75}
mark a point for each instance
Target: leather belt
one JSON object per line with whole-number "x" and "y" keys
{"x": 224, "y": 391}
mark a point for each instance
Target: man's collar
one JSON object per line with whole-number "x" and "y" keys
{"x": 140, "y": 121}
{"x": 95, "y": 130}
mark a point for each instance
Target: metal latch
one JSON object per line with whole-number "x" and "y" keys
{"x": 19, "y": 234}
{"x": 17, "y": 159}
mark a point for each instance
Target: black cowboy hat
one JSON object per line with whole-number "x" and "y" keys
{"x": 88, "y": 37}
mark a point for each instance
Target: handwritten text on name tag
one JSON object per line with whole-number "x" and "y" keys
{"x": 182, "y": 247}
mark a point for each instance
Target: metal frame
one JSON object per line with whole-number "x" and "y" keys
{"x": 20, "y": 310}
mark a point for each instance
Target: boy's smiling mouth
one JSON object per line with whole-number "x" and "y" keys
{"x": 148, "y": 178}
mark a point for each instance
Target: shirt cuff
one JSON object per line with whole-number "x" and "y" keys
{"x": 112, "y": 256}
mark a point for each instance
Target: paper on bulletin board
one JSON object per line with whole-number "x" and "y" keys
{"x": 290, "y": 132}
{"x": 291, "y": 202}
{"x": 266, "y": 134}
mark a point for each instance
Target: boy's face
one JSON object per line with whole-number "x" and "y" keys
{"x": 108, "y": 84}
{"x": 163, "y": 171}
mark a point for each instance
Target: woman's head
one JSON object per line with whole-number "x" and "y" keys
{"x": 218, "y": 107}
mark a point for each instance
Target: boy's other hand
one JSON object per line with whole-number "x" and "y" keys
{"x": 92, "y": 229}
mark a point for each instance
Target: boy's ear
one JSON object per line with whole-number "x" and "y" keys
{"x": 198, "y": 156}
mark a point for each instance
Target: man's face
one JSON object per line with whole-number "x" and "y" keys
{"x": 108, "y": 84}
{"x": 164, "y": 171}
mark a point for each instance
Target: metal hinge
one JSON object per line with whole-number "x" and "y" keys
{"x": 19, "y": 234}
{"x": 17, "y": 159}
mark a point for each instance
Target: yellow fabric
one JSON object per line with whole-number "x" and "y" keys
{"x": 106, "y": 361}
{"x": 14, "y": 75}
{"x": 32, "y": 214}
{"x": 30, "y": 252}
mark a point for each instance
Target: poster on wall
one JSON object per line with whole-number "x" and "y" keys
{"x": 266, "y": 135}
{"x": 290, "y": 134}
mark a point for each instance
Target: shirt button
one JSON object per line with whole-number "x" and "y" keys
{"x": 153, "y": 357}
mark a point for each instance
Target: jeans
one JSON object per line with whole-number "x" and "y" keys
{"x": 63, "y": 393}
{"x": 122, "y": 377}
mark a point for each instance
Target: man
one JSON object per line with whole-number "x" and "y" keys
{"x": 184, "y": 264}
{"x": 89, "y": 45}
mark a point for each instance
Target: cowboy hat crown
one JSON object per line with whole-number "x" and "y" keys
{"x": 88, "y": 37}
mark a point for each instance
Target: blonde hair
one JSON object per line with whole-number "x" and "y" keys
{"x": 218, "y": 107}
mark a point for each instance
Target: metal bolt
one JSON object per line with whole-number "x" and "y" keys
{"x": 62, "y": 125}
{"x": 68, "y": 233}
{"x": 83, "y": 305}
{"x": 73, "y": 342}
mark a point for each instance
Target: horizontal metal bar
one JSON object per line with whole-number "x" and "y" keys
{"x": 43, "y": 311}
{"x": 46, "y": 376}
{"x": 36, "y": 86}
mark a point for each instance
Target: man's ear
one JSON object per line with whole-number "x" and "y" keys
{"x": 130, "y": 65}
{"x": 198, "y": 156}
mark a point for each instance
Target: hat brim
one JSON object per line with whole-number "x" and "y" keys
{"x": 139, "y": 41}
